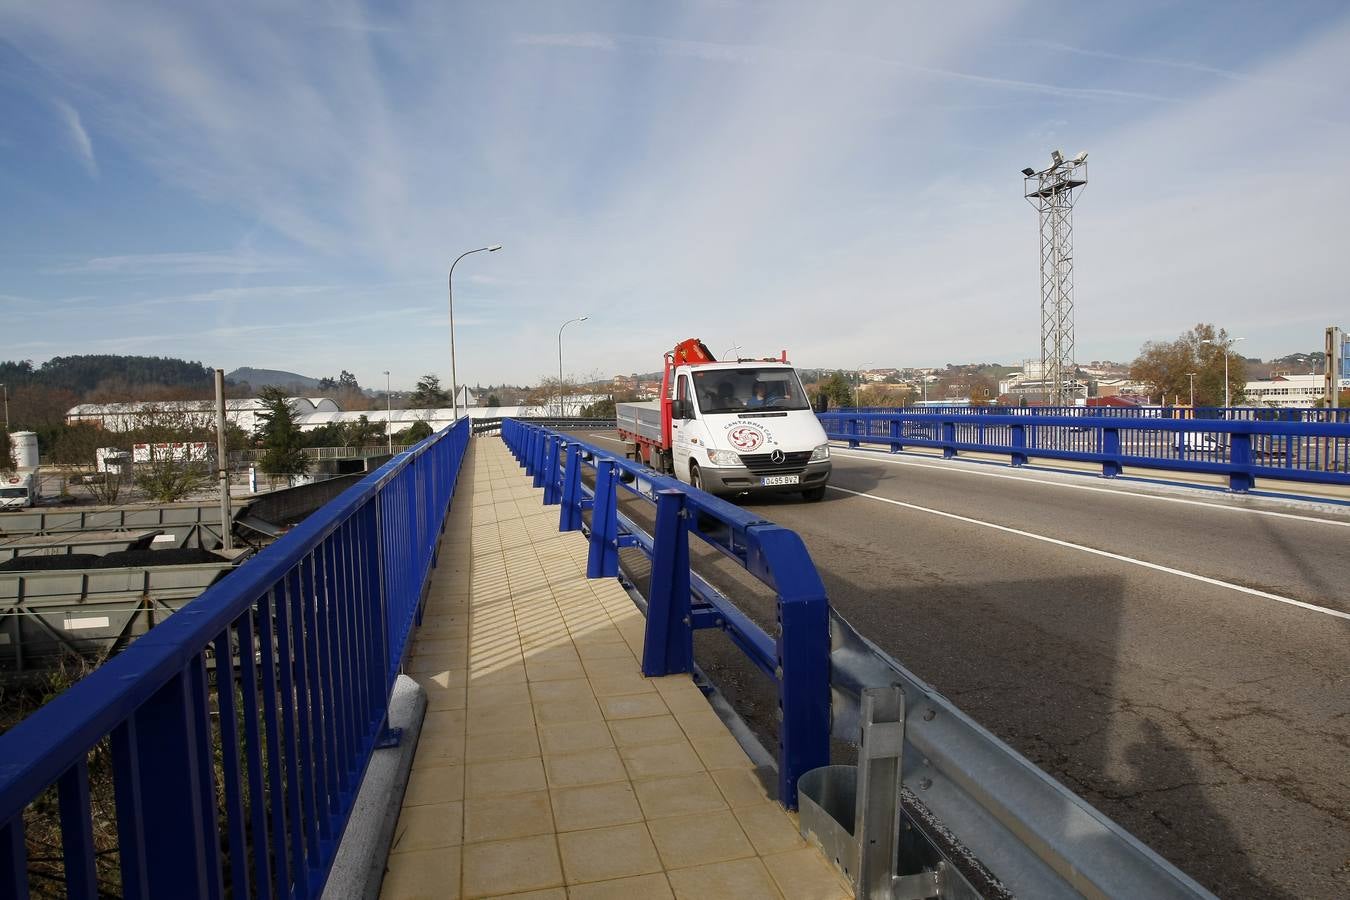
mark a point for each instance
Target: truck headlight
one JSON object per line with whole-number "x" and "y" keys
{"x": 723, "y": 458}
{"x": 821, "y": 452}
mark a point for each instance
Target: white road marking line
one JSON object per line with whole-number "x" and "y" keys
{"x": 1094, "y": 551}
{"x": 1087, "y": 487}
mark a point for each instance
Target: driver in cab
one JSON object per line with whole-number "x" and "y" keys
{"x": 760, "y": 397}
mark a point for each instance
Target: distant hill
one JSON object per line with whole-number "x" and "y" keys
{"x": 260, "y": 378}
{"x": 84, "y": 375}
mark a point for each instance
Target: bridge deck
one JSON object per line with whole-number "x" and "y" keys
{"x": 546, "y": 762}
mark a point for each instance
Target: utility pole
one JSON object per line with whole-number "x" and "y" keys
{"x": 388, "y": 413}
{"x": 6, "y": 388}
{"x": 1333, "y": 362}
{"x": 223, "y": 465}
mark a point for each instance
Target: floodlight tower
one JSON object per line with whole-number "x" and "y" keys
{"x": 1052, "y": 191}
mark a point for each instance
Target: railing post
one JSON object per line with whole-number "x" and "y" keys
{"x": 803, "y": 656}
{"x": 668, "y": 645}
{"x": 1240, "y": 457}
{"x": 948, "y": 440}
{"x": 854, "y": 429}
{"x": 603, "y": 559}
{"x": 550, "y": 471}
{"x": 1111, "y": 447}
{"x": 528, "y": 451}
{"x": 1019, "y": 443}
{"x": 897, "y": 431}
{"x": 540, "y": 458}
{"x": 570, "y": 517}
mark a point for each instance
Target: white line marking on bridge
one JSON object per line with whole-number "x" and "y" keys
{"x": 961, "y": 470}
{"x": 1094, "y": 551}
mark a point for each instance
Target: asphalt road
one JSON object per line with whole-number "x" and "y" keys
{"x": 1179, "y": 659}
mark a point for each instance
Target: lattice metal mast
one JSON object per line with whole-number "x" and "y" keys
{"x": 1052, "y": 191}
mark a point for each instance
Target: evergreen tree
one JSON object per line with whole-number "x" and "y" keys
{"x": 429, "y": 394}
{"x": 280, "y": 435}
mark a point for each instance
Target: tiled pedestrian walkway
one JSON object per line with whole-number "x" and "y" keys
{"x": 548, "y": 767}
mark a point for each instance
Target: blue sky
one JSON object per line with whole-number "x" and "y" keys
{"x": 283, "y": 185}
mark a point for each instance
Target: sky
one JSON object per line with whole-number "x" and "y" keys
{"x": 285, "y": 184}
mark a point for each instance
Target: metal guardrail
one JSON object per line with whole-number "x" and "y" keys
{"x": 316, "y": 626}
{"x": 1223, "y": 413}
{"x": 493, "y": 425}
{"x": 797, "y": 658}
{"x": 1242, "y": 450}
{"x": 1030, "y": 834}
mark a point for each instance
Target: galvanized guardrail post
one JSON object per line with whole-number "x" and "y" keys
{"x": 1019, "y": 442}
{"x": 668, "y": 644}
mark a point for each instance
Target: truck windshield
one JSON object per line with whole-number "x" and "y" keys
{"x": 13, "y": 492}
{"x": 737, "y": 390}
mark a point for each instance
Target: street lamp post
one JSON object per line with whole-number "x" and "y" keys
{"x": 450, "y": 284}
{"x": 1191, "y": 376}
{"x": 857, "y": 388}
{"x": 388, "y": 413}
{"x": 6, "y": 389}
{"x": 560, "y": 365}
{"x": 1226, "y": 345}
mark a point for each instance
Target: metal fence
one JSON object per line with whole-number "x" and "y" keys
{"x": 1225, "y": 413}
{"x": 1241, "y": 449}
{"x": 971, "y": 802}
{"x": 236, "y": 733}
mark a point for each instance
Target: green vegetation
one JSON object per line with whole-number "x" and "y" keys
{"x": 280, "y": 435}
{"x": 429, "y": 394}
{"x": 1164, "y": 367}
{"x": 88, "y": 374}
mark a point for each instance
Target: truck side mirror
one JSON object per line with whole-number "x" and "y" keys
{"x": 680, "y": 409}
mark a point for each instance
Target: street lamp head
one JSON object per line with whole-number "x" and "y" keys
{"x": 583, "y": 318}
{"x": 494, "y": 248}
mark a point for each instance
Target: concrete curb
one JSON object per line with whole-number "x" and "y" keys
{"x": 358, "y": 870}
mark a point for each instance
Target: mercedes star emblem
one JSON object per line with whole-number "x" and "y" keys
{"x": 777, "y": 457}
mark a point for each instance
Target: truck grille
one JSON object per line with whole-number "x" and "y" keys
{"x": 762, "y": 463}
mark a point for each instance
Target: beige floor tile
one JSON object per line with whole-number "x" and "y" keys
{"x": 428, "y": 827}
{"x": 700, "y": 723}
{"x": 487, "y": 719}
{"x": 595, "y": 805}
{"x": 574, "y": 737}
{"x": 699, "y": 839}
{"x": 647, "y": 730}
{"x": 546, "y": 894}
{"x": 501, "y": 745}
{"x": 498, "y": 695}
{"x": 681, "y": 796}
{"x": 506, "y": 673}
{"x": 444, "y": 722}
{"x": 661, "y": 760}
{"x": 561, "y": 691}
{"x": 586, "y": 767}
{"x": 511, "y": 776}
{"x": 721, "y": 752}
{"x": 433, "y": 750}
{"x": 633, "y": 706}
{"x": 498, "y": 818}
{"x": 556, "y": 671}
{"x": 769, "y": 828}
{"x": 614, "y": 684}
{"x": 741, "y": 787}
{"x": 590, "y": 650}
{"x": 583, "y": 709}
{"x": 520, "y": 864}
{"x": 601, "y": 854}
{"x": 443, "y": 679}
{"x": 691, "y": 700}
{"x": 422, "y": 875}
{"x": 433, "y": 663}
{"x": 641, "y": 887}
{"x": 806, "y": 875}
{"x": 434, "y": 784}
{"x": 446, "y": 698}
{"x": 740, "y": 879}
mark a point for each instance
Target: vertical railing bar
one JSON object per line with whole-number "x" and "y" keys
{"x": 283, "y": 600}
{"x": 276, "y": 797}
{"x": 253, "y": 752}
{"x": 318, "y": 710}
{"x": 229, "y": 749}
{"x": 130, "y": 821}
{"x": 310, "y": 773}
{"x": 77, "y": 830}
{"x": 327, "y": 687}
{"x": 200, "y": 710}
{"x": 14, "y": 859}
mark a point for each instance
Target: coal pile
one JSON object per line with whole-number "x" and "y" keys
{"x": 184, "y": 556}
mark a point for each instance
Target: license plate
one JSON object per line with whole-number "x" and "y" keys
{"x": 770, "y": 480}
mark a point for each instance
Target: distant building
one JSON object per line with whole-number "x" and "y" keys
{"x": 193, "y": 413}
{"x": 1289, "y": 391}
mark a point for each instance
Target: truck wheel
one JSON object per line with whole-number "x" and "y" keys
{"x": 814, "y": 495}
{"x": 695, "y": 477}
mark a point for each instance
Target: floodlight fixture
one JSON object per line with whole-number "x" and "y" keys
{"x": 1080, "y": 158}
{"x": 1028, "y": 171}
{"x": 1057, "y": 157}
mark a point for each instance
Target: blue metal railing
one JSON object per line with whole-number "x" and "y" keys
{"x": 797, "y": 658}
{"x": 1227, "y": 413}
{"x": 305, "y": 641}
{"x": 1241, "y": 449}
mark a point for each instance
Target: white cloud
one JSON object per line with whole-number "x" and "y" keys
{"x": 79, "y": 138}
{"x": 188, "y": 263}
